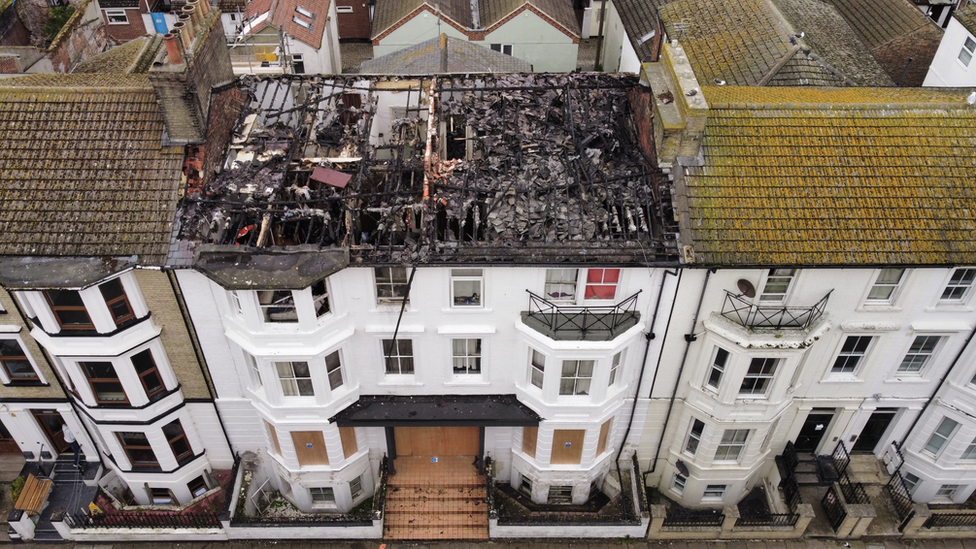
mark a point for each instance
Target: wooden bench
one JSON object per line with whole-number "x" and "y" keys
{"x": 34, "y": 495}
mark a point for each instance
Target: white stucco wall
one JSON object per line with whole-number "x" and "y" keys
{"x": 946, "y": 69}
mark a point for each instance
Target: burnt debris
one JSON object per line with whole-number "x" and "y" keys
{"x": 522, "y": 168}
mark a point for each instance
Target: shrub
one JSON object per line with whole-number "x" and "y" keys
{"x": 56, "y": 19}
{"x": 16, "y": 487}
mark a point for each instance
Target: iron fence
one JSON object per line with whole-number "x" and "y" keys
{"x": 750, "y": 315}
{"x": 834, "y": 508}
{"x": 379, "y": 497}
{"x": 787, "y": 520}
{"x": 563, "y": 318}
{"x": 951, "y": 520}
{"x": 693, "y": 520}
{"x": 901, "y": 497}
{"x": 854, "y": 492}
{"x": 146, "y": 519}
{"x": 841, "y": 458}
{"x": 791, "y": 492}
{"x": 790, "y": 459}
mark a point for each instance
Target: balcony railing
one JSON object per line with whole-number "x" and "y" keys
{"x": 144, "y": 520}
{"x": 750, "y": 315}
{"x": 572, "y": 322}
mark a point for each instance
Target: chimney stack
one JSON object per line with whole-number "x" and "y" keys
{"x": 173, "y": 48}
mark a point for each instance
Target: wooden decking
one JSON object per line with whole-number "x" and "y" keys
{"x": 429, "y": 500}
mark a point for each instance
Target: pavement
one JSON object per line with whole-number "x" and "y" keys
{"x": 531, "y": 544}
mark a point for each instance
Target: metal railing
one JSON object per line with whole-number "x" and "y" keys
{"x": 750, "y": 315}
{"x": 146, "y": 519}
{"x": 791, "y": 493}
{"x": 790, "y": 458}
{"x": 788, "y": 520}
{"x": 901, "y": 497}
{"x": 952, "y": 520}
{"x": 693, "y": 519}
{"x": 490, "y": 486}
{"x": 834, "y": 508}
{"x": 854, "y": 492}
{"x": 379, "y": 497}
{"x": 582, "y": 319}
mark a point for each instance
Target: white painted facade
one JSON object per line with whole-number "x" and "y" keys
{"x": 741, "y": 394}
{"x": 953, "y": 64}
{"x": 618, "y": 52}
{"x": 257, "y": 402}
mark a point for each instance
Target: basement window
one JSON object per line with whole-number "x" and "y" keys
{"x": 560, "y": 495}
{"x": 116, "y": 17}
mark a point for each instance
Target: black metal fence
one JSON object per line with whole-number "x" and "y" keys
{"x": 379, "y": 496}
{"x": 834, "y": 508}
{"x": 854, "y": 492}
{"x": 147, "y": 519}
{"x": 790, "y": 458}
{"x": 787, "y": 520}
{"x": 565, "y": 318}
{"x": 951, "y": 520}
{"x": 747, "y": 313}
{"x": 901, "y": 497}
{"x": 791, "y": 493}
{"x": 693, "y": 520}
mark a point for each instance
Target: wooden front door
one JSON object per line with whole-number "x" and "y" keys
{"x": 437, "y": 441}
{"x": 50, "y": 422}
{"x": 8, "y": 446}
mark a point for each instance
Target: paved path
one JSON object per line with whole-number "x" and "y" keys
{"x": 543, "y": 544}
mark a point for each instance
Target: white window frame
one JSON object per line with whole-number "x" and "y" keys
{"x": 582, "y": 383}
{"x": 304, "y": 24}
{"x": 471, "y": 353}
{"x": 678, "y": 483}
{"x": 390, "y": 285}
{"x": 507, "y": 49}
{"x": 293, "y": 379}
{"x": 467, "y": 276}
{"x": 326, "y": 493}
{"x": 279, "y": 301}
{"x": 853, "y": 356}
{"x": 537, "y": 372}
{"x": 720, "y": 363}
{"x": 333, "y": 370}
{"x": 759, "y": 377}
{"x": 399, "y": 356}
{"x": 970, "y": 451}
{"x": 946, "y": 492}
{"x": 615, "y": 368}
{"x": 603, "y": 282}
{"x": 561, "y": 285}
{"x": 886, "y": 286}
{"x": 776, "y": 278}
{"x": 253, "y": 370}
{"x": 116, "y": 13}
{"x": 714, "y": 492}
{"x": 693, "y": 441}
{"x": 920, "y": 354}
{"x": 317, "y": 300}
{"x": 959, "y": 286}
{"x": 940, "y": 436}
{"x": 966, "y": 51}
{"x": 911, "y": 482}
{"x": 303, "y": 11}
{"x": 344, "y": 9}
{"x": 356, "y": 487}
{"x": 4, "y": 375}
{"x": 733, "y": 440}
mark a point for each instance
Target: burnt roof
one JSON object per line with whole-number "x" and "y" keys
{"x": 533, "y": 169}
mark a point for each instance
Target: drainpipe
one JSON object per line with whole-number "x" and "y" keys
{"x": 942, "y": 381}
{"x": 640, "y": 377}
{"x": 689, "y": 338}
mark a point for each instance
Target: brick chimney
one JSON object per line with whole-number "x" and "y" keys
{"x": 183, "y": 87}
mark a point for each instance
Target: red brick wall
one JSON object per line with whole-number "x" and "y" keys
{"x": 124, "y": 33}
{"x": 919, "y": 45}
{"x": 355, "y": 25}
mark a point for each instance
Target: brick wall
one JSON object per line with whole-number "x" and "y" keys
{"x": 83, "y": 36}
{"x": 919, "y": 45}
{"x": 166, "y": 313}
{"x": 124, "y": 33}
{"x": 355, "y": 25}
{"x": 225, "y": 109}
{"x": 12, "y": 317}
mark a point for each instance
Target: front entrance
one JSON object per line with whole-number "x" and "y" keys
{"x": 8, "y": 446}
{"x": 874, "y": 430}
{"x": 50, "y": 422}
{"x": 437, "y": 441}
{"x": 813, "y": 430}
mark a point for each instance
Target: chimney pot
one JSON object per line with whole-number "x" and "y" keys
{"x": 189, "y": 29}
{"x": 173, "y": 48}
{"x": 182, "y": 30}
{"x": 194, "y": 13}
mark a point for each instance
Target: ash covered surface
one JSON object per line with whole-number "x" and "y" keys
{"x": 520, "y": 169}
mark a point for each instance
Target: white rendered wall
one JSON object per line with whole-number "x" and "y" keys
{"x": 946, "y": 69}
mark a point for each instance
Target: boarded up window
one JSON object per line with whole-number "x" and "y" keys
{"x": 274, "y": 437}
{"x": 349, "y": 444}
{"x": 567, "y": 446}
{"x": 601, "y": 445}
{"x": 529, "y": 437}
{"x": 310, "y": 448}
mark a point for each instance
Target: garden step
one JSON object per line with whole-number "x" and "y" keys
{"x": 435, "y": 491}
{"x": 432, "y": 533}
{"x": 414, "y": 505}
{"x": 419, "y": 520}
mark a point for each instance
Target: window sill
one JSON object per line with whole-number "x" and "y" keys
{"x": 907, "y": 379}
{"x": 35, "y": 383}
{"x": 841, "y": 378}
{"x": 950, "y": 306}
{"x": 399, "y": 381}
{"x": 467, "y": 309}
{"x": 879, "y": 308}
{"x": 469, "y": 383}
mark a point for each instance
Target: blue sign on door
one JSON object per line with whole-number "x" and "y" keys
{"x": 159, "y": 23}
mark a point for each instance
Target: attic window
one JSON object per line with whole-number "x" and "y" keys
{"x": 966, "y": 53}
{"x": 305, "y": 24}
{"x": 303, "y": 11}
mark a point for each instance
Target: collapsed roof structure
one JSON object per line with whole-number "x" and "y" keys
{"x": 527, "y": 169}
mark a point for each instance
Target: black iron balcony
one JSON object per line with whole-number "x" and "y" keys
{"x": 573, "y": 322}
{"x": 750, "y": 315}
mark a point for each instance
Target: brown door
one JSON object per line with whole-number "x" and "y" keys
{"x": 8, "y": 446}
{"x": 437, "y": 441}
{"x": 50, "y": 422}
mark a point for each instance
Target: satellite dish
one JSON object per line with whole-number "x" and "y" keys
{"x": 682, "y": 468}
{"x": 746, "y": 288}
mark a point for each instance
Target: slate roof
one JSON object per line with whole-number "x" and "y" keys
{"x": 878, "y": 22}
{"x": 639, "y": 17}
{"x": 132, "y": 57}
{"x": 494, "y": 11}
{"x": 748, "y": 43}
{"x": 967, "y": 16}
{"x": 84, "y": 172}
{"x": 388, "y": 13}
{"x": 444, "y": 55}
{"x": 850, "y": 176}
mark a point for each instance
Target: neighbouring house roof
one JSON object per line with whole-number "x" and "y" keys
{"x": 750, "y": 43}
{"x": 534, "y": 169}
{"x": 132, "y": 57}
{"x": 852, "y": 176}
{"x": 292, "y": 15}
{"x": 472, "y": 14}
{"x": 84, "y": 171}
{"x": 967, "y": 16}
{"x": 878, "y": 22}
{"x": 639, "y": 18}
{"x": 444, "y": 55}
